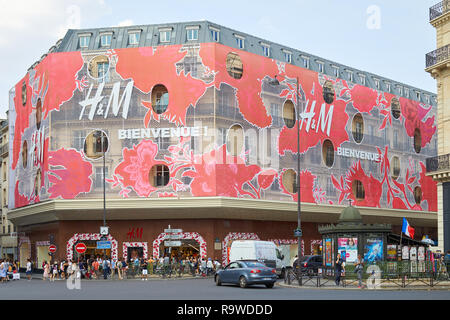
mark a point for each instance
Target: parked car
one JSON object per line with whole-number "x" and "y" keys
{"x": 245, "y": 273}
{"x": 309, "y": 264}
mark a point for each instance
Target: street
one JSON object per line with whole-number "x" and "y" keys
{"x": 196, "y": 289}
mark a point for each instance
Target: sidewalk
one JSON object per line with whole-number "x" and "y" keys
{"x": 384, "y": 285}
{"x": 39, "y": 276}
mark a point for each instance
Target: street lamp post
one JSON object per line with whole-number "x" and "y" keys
{"x": 298, "y": 232}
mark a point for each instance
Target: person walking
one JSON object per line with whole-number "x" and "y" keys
{"x": 339, "y": 267}
{"x": 166, "y": 265}
{"x": 3, "y": 270}
{"x": 113, "y": 268}
{"x": 29, "y": 269}
{"x": 359, "y": 267}
{"x": 209, "y": 267}
{"x": 151, "y": 264}
{"x": 119, "y": 269}
{"x": 46, "y": 271}
{"x": 124, "y": 269}
{"x": 144, "y": 268}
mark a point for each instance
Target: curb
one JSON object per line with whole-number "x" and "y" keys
{"x": 437, "y": 287}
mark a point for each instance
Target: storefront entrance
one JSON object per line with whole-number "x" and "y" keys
{"x": 91, "y": 251}
{"x": 188, "y": 248}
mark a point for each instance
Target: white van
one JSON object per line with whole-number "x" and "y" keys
{"x": 264, "y": 251}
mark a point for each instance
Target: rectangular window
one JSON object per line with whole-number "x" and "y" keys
{"x": 406, "y": 92}
{"x": 78, "y": 139}
{"x": 215, "y": 34}
{"x": 275, "y": 113}
{"x": 266, "y": 49}
{"x": 98, "y": 182}
{"x": 102, "y": 71}
{"x": 105, "y": 40}
{"x": 240, "y": 42}
{"x": 163, "y": 142}
{"x": 287, "y": 56}
{"x": 192, "y": 34}
{"x": 388, "y": 87}
{"x": 395, "y": 138}
{"x": 362, "y": 79}
{"x": 321, "y": 66}
{"x": 418, "y": 95}
{"x": 134, "y": 38}
{"x": 400, "y": 90}
{"x": 336, "y": 71}
{"x": 164, "y": 36}
{"x": 305, "y": 62}
{"x": 84, "y": 41}
{"x": 350, "y": 76}
{"x": 377, "y": 83}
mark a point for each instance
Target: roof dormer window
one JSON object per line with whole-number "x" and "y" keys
{"x": 105, "y": 39}
{"x": 265, "y": 49}
{"x": 165, "y": 34}
{"x": 240, "y": 40}
{"x": 134, "y": 37}
{"x": 192, "y": 33}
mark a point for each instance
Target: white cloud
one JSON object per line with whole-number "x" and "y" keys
{"x": 126, "y": 23}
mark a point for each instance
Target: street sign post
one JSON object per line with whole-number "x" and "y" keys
{"x": 173, "y": 234}
{"x": 172, "y": 243}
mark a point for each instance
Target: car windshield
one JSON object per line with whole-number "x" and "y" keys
{"x": 254, "y": 264}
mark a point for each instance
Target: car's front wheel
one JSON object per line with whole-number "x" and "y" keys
{"x": 242, "y": 282}
{"x": 217, "y": 280}
{"x": 269, "y": 285}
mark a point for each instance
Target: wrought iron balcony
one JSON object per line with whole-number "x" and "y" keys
{"x": 438, "y": 56}
{"x": 439, "y": 163}
{"x": 439, "y": 9}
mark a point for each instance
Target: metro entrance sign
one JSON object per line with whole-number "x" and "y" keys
{"x": 80, "y": 248}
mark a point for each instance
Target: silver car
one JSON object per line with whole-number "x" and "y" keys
{"x": 245, "y": 273}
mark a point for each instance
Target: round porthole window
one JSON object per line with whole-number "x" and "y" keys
{"x": 288, "y": 180}
{"x": 328, "y": 92}
{"x": 96, "y": 144}
{"x": 289, "y": 114}
{"x": 160, "y": 99}
{"x": 159, "y": 176}
{"x": 235, "y": 140}
{"x": 235, "y": 68}
{"x": 328, "y": 153}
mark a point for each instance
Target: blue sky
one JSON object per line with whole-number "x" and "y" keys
{"x": 388, "y": 38}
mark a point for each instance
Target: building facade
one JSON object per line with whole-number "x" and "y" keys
{"x": 8, "y": 238}
{"x": 438, "y": 65}
{"x": 191, "y": 131}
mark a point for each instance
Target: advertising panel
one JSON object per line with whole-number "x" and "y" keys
{"x": 405, "y": 253}
{"x": 373, "y": 250}
{"x": 328, "y": 252}
{"x": 348, "y": 248}
{"x": 391, "y": 252}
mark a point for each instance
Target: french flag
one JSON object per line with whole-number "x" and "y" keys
{"x": 407, "y": 229}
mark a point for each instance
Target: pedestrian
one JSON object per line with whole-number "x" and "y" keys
{"x": 124, "y": 269}
{"x": 209, "y": 267}
{"x": 29, "y": 269}
{"x": 65, "y": 266}
{"x": 105, "y": 267}
{"x": 46, "y": 271}
{"x": 3, "y": 271}
{"x": 151, "y": 265}
{"x": 203, "y": 267}
{"x": 144, "y": 266}
{"x": 113, "y": 268}
{"x": 166, "y": 265}
{"x": 119, "y": 269}
{"x": 339, "y": 267}
{"x": 216, "y": 265}
{"x": 95, "y": 267}
{"x": 359, "y": 267}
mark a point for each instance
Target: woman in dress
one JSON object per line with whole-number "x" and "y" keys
{"x": 2, "y": 271}
{"x": 46, "y": 271}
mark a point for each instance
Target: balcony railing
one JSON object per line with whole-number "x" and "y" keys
{"x": 438, "y": 56}
{"x": 439, "y": 163}
{"x": 439, "y": 9}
